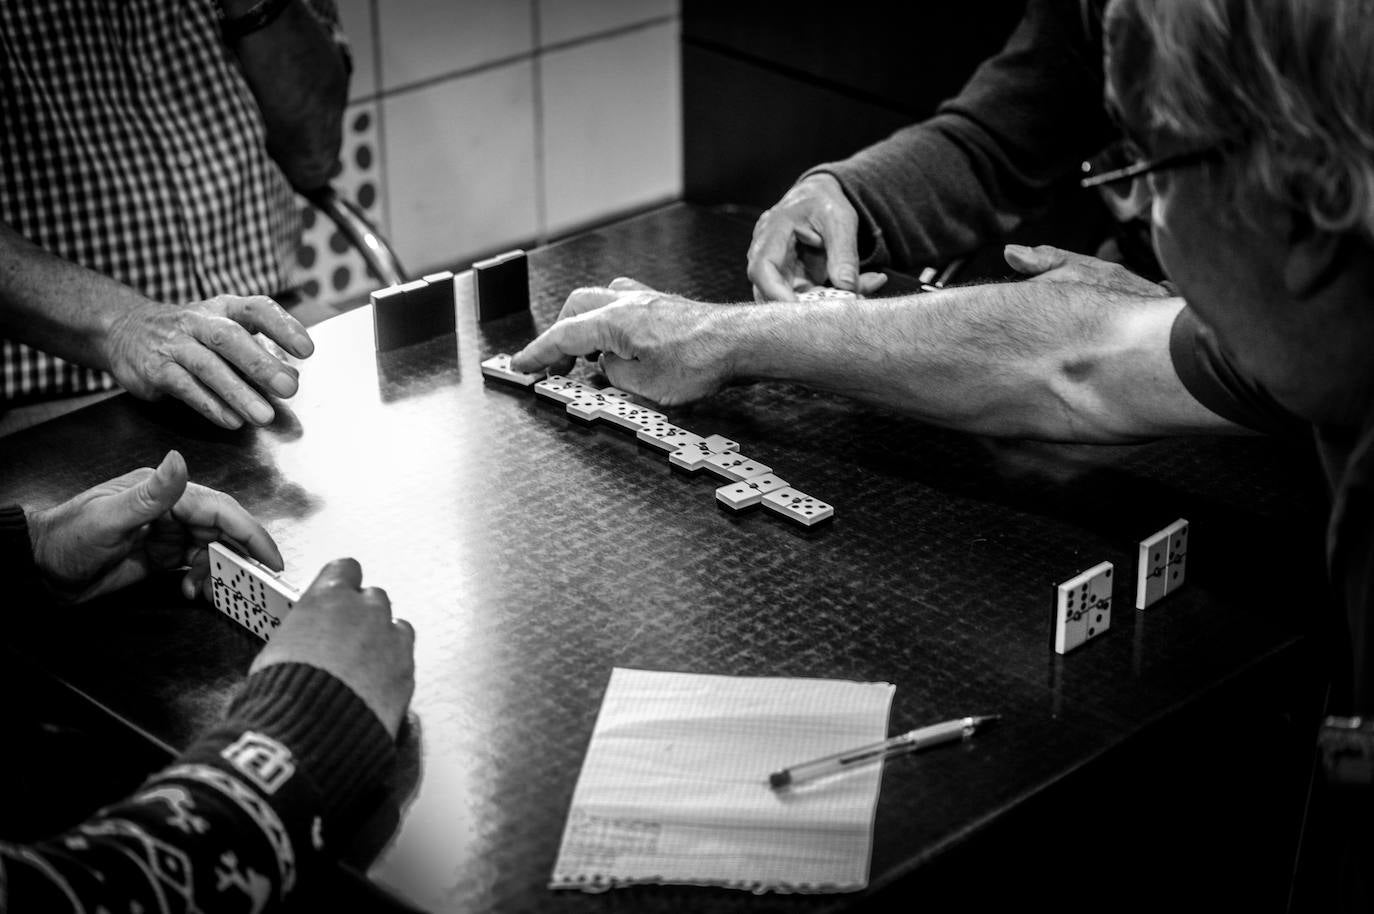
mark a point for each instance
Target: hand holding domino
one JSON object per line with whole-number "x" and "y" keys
{"x": 144, "y": 521}
{"x": 348, "y": 631}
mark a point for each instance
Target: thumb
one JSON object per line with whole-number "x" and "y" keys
{"x": 1034, "y": 261}
{"x": 154, "y": 495}
{"x": 626, "y": 284}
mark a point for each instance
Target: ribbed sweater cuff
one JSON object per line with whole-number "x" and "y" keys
{"x": 337, "y": 740}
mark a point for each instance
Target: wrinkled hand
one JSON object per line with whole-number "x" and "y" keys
{"x": 1050, "y": 264}
{"x": 204, "y": 354}
{"x": 346, "y": 630}
{"x": 659, "y": 346}
{"x": 148, "y": 520}
{"x": 808, "y": 238}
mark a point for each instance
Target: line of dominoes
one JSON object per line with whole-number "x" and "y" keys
{"x": 748, "y": 482}
{"x": 1083, "y": 604}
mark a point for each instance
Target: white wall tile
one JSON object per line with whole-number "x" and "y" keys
{"x": 612, "y": 125}
{"x": 356, "y": 18}
{"x": 459, "y": 164}
{"x": 424, "y": 39}
{"x": 565, "y": 20}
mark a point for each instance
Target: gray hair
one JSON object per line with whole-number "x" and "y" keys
{"x": 1287, "y": 85}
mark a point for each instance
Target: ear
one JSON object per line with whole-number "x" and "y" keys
{"x": 1315, "y": 257}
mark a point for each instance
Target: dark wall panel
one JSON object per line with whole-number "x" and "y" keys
{"x": 766, "y": 96}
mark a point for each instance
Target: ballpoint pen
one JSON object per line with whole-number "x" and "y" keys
{"x": 911, "y": 741}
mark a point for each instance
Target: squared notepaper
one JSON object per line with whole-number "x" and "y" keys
{"x": 674, "y": 788}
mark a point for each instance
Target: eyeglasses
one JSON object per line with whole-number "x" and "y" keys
{"x": 1119, "y": 172}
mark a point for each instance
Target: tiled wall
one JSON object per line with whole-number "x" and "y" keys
{"x": 478, "y": 125}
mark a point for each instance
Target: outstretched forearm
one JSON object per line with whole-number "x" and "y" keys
{"x": 1050, "y": 360}
{"x": 58, "y": 306}
{"x": 297, "y": 74}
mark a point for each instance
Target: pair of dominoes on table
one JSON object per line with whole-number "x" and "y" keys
{"x": 1083, "y": 605}
{"x": 749, "y": 482}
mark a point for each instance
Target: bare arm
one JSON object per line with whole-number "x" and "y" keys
{"x": 1054, "y": 360}
{"x": 200, "y": 352}
{"x": 297, "y": 74}
{"x": 1060, "y": 361}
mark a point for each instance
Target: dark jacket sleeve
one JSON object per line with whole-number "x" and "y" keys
{"x": 234, "y": 824}
{"x": 1025, "y": 120}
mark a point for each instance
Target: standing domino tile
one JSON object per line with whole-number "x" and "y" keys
{"x": 665, "y": 436}
{"x": 740, "y": 495}
{"x": 1150, "y": 582}
{"x": 798, "y": 506}
{"x": 501, "y": 285}
{"x": 498, "y": 366}
{"x": 1178, "y": 553}
{"x": 1083, "y": 608}
{"x": 249, "y": 592}
{"x": 558, "y": 388}
{"x": 1161, "y": 564}
{"x": 735, "y": 467}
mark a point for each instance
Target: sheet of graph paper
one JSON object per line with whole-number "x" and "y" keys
{"x": 674, "y": 788}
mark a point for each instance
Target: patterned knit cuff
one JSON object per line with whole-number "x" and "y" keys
{"x": 330, "y": 737}
{"x": 24, "y": 581}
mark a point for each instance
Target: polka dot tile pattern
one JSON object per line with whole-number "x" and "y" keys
{"x": 332, "y": 275}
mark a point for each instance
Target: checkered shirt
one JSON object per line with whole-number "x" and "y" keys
{"x": 131, "y": 144}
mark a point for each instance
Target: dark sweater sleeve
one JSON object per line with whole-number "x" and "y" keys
{"x": 1024, "y": 122}
{"x": 234, "y": 824}
{"x": 16, "y": 557}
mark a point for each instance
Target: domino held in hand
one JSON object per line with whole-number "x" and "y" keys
{"x": 249, "y": 592}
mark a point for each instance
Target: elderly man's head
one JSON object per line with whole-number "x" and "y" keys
{"x": 1269, "y": 230}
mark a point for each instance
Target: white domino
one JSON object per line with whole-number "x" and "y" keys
{"x": 692, "y": 457}
{"x": 1162, "y": 564}
{"x": 249, "y": 592}
{"x": 1083, "y": 608}
{"x": 498, "y": 366}
{"x": 746, "y": 494}
{"x": 559, "y": 388}
{"x": 798, "y": 506}
{"x": 821, "y": 293}
{"x": 665, "y": 436}
{"x": 734, "y": 466}
{"x": 630, "y": 416}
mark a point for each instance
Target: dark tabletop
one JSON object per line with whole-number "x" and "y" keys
{"x": 533, "y": 555}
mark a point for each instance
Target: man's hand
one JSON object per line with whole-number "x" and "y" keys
{"x": 148, "y": 520}
{"x": 1045, "y": 263}
{"x": 660, "y": 346}
{"x": 346, "y": 630}
{"x": 808, "y": 238}
{"x": 205, "y": 354}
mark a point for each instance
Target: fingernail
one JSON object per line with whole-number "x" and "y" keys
{"x": 849, "y": 275}
{"x": 260, "y": 412}
{"x": 1018, "y": 249}
{"x": 283, "y": 384}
